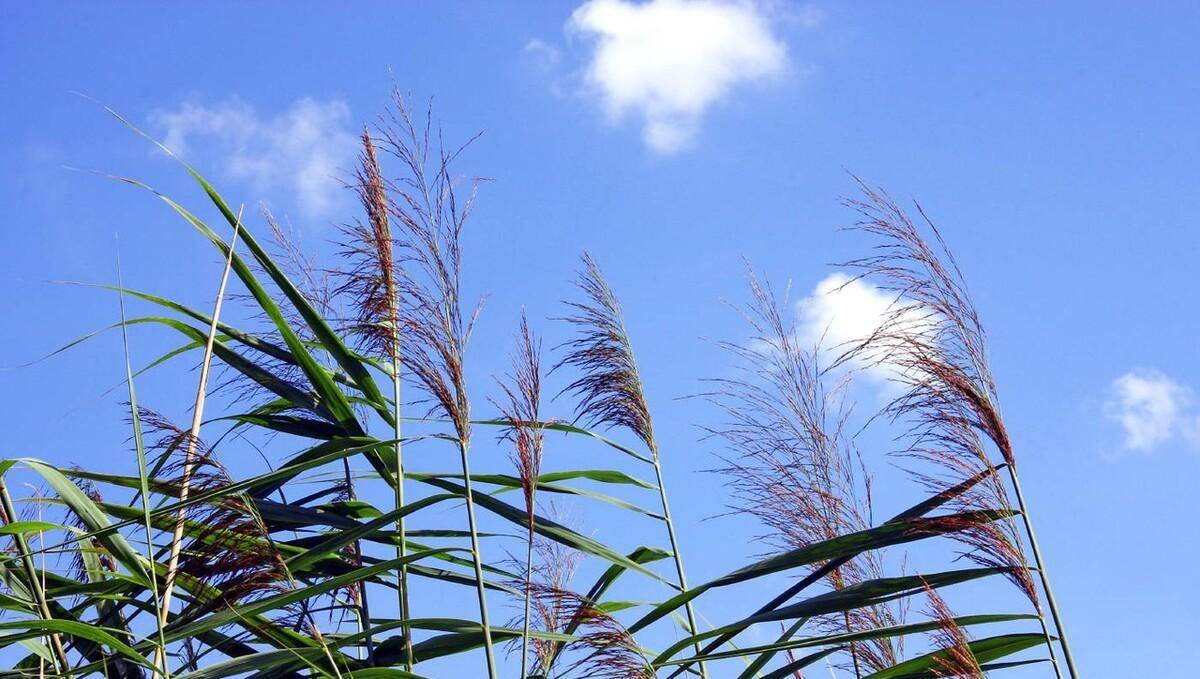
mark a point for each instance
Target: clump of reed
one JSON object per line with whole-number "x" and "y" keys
{"x": 609, "y": 389}
{"x": 792, "y": 465}
{"x": 259, "y": 559}
{"x": 430, "y": 330}
{"x": 934, "y": 346}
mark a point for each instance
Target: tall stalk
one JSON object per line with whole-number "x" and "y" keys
{"x": 934, "y": 343}
{"x": 525, "y": 625}
{"x": 1042, "y": 575}
{"x": 372, "y": 284}
{"x": 402, "y": 546}
{"x": 426, "y": 303}
{"x": 678, "y": 558}
{"x": 610, "y": 389}
{"x": 194, "y": 432}
{"x": 522, "y": 409}
{"x": 477, "y": 560}
{"x": 143, "y": 483}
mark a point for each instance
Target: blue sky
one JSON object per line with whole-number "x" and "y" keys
{"x": 1054, "y": 144}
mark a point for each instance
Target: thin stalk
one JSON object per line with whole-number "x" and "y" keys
{"x": 362, "y": 609}
{"x": 683, "y": 586}
{"x": 35, "y": 584}
{"x": 475, "y": 556}
{"x": 1045, "y": 578}
{"x": 528, "y": 593}
{"x": 160, "y": 653}
{"x": 194, "y": 433}
{"x": 402, "y": 546}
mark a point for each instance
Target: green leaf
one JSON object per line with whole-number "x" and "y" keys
{"x": 99, "y": 635}
{"x": 91, "y": 516}
{"x": 985, "y": 650}
{"x": 859, "y": 595}
{"x": 30, "y": 527}
{"x": 892, "y": 533}
{"x": 547, "y": 528}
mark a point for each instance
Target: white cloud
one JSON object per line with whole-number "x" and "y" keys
{"x": 669, "y": 60}
{"x": 1152, "y": 409}
{"x": 303, "y": 150}
{"x": 842, "y": 311}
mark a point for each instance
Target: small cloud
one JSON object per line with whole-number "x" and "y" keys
{"x": 843, "y": 311}
{"x": 302, "y": 150}
{"x": 1152, "y": 409}
{"x": 668, "y": 61}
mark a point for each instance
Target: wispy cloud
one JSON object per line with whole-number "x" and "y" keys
{"x": 668, "y": 61}
{"x": 301, "y": 151}
{"x": 1152, "y": 409}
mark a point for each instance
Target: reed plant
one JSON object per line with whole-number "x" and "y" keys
{"x": 335, "y": 482}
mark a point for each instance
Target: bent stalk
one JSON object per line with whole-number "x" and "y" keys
{"x": 194, "y": 433}
{"x": 683, "y": 586}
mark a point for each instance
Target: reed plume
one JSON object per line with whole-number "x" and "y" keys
{"x": 609, "y": 389}
{"x": 793, "y": 466}
{"x": 230, "y": 553}
{"x": 935, "y": 346}
{"x": 954, "y": 658}
{"x": 225, "y": 548}
{"x": 601, "y": 649}
{"x": 521, "y": 407}
{"x": 429, "y": 216}
{"x": 372, "y": 282}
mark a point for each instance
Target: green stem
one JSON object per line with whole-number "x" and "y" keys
{"x": 683, "y": 587}
{"x": 528, "y": 585}
{"x": 363, "y": 607}
{"x": 1045, "y": 578}
{"x": 478, "y": 562}
{"x": 143, "y": 486}
{"x": 402, "y": 547}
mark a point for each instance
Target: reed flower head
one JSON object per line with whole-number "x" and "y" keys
{"x": 227, "y": 548}
{"x": 427, "y": 213}
{"x": 610, "y": 389}
{"x": 954, "y": 657}
{"x": 936, "y": 347}
{"x": 371, "y": 281}
{"x": 792, "y": 465}
{"x": 521, "y": 407}
{"x": 603, "y": 648}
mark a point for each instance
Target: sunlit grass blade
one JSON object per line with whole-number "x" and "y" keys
{"x": 159, "y": 655}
